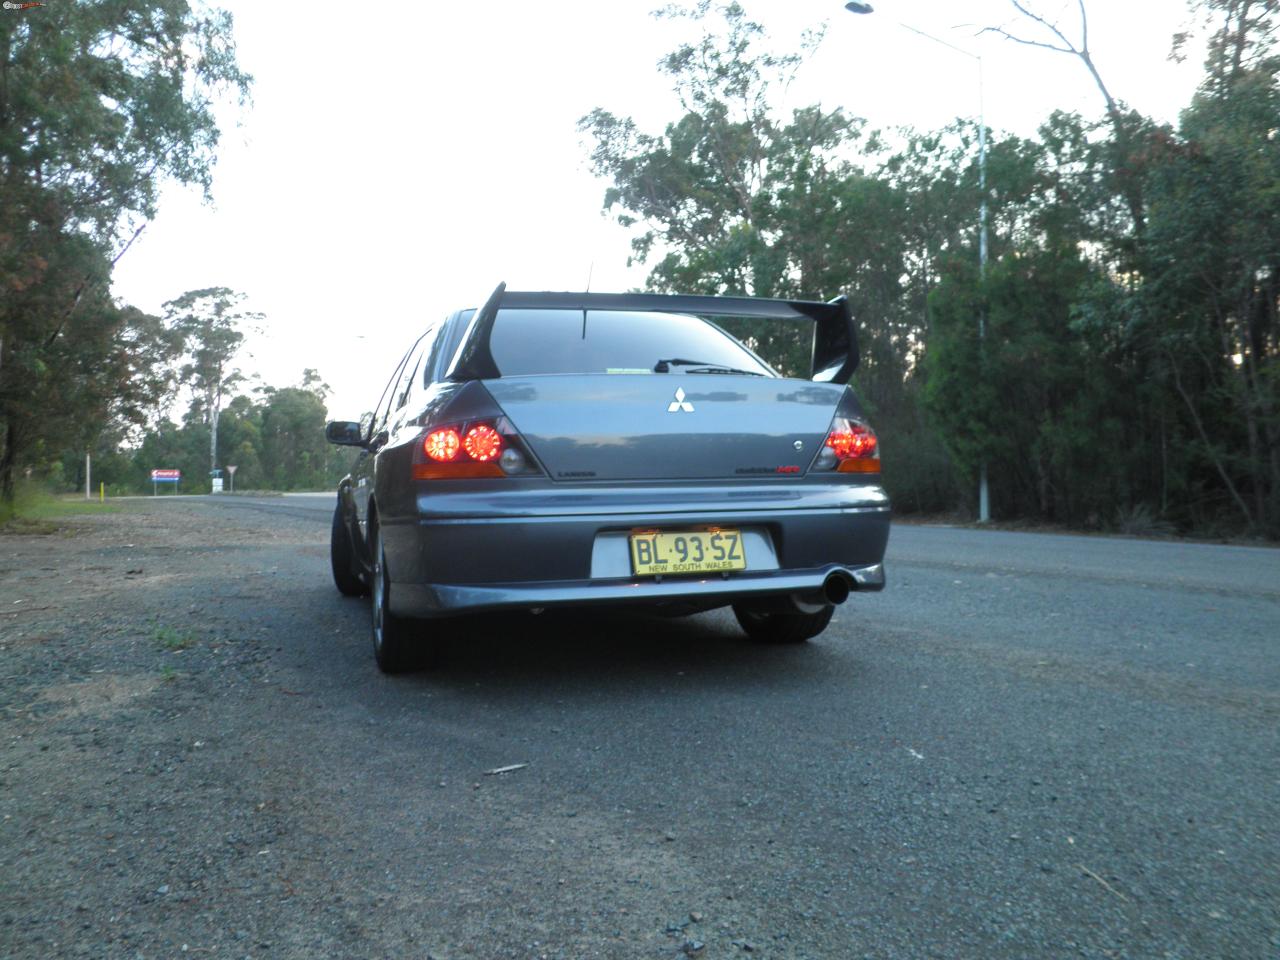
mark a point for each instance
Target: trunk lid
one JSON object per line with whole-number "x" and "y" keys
{"x": 668, "y": 426}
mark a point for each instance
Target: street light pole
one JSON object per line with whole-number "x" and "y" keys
{"x": 854, "y": 6}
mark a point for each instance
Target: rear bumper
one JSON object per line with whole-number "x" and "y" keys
{"x": 438, "y": 599}
{"x": 555, "y": 549}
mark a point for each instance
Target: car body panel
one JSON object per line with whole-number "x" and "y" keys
{"x": 614, "y": 456}
{"x": 471, "y": 539}
{"x": 668, "y": 426}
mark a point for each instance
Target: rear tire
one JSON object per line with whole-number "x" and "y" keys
{"x": 782, "y": 627}
{"x": 342, "y": 558}
{"x": 397, "y": 642}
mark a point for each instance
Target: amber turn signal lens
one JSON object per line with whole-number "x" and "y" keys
{"x": 859, "y": 466}
{"x": 459, "y": 470}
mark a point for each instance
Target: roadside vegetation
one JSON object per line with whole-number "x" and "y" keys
{"x": 100, "y": 104}
{"x": 1129, "y": 377}
{"x": 36, "y": 510}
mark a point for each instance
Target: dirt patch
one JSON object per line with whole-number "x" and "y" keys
{"x": 99, "y": 697}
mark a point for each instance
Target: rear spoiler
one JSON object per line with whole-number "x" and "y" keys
{"x": 835, "y": 340}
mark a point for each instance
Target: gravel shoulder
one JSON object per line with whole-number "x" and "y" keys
{"x": 136, "y": 804}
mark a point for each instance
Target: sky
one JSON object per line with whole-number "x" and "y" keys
{"x": 401, "y": 158}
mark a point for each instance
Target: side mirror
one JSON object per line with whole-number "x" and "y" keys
{"x": 345, "y": 433}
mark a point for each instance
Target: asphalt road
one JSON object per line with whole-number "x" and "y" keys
{"x": 1027, "y": 746}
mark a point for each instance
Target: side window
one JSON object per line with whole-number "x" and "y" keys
{"x": 411, "y": 369}
{"x": 442, "y": 356}
{"x": 431, "y": 367}
{"x": 388, "y": 394}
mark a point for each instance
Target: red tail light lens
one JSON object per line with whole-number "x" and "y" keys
{"x": 442, "y": 446}
{"x": 851, "y": 447}
{"x": 855, "y": 440}
{"x": 483, "y": 448}
{"x": 482, "y": 443}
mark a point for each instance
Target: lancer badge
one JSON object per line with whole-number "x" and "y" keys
{"x": 680, "y": 403}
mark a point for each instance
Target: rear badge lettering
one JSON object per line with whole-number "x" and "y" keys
{"x": 576, "y": 474}
{"x": 680, "y": 403}
{"x": 788, "y": 470}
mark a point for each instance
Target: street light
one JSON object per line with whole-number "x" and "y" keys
{"x": 855, "y": 6}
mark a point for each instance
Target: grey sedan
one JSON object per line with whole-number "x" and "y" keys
{"x": 568, "y": 449}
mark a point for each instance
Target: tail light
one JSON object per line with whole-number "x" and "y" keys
{"x": 478, "y": 448}
{"x": 851, "y": 447}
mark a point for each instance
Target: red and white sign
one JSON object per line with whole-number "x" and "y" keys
{"x": 162, "y": 476}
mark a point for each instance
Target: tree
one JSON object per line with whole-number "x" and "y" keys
{"x": 207, "y": 321}
{"x": 1127, "y": 126}
{"x": 99, "y": 103}
{"x": 106, "y": 365}
{"x": 1208, "y": 311}
{"x": 275, "y": 438}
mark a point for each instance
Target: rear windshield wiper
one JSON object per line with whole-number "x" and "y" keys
{"x": 700, "y": 366}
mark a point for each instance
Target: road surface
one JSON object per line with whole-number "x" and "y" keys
{"x": 1027, "y": 746}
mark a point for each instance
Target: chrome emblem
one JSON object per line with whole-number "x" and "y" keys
{"x": 799, "y": 444}
{"x": 680, "y": 403}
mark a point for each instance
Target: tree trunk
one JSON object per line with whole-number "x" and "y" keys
{"x": 8, "y": 462}
{"x": 1208, "y": 444}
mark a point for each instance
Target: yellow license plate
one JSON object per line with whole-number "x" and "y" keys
{"x": 656, "y": 553}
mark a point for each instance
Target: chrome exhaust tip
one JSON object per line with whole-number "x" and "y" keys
{"x": 835, "y": 589}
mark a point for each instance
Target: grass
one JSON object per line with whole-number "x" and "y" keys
{"x": 172, "y": 640}
{"x": 36, "y": 510}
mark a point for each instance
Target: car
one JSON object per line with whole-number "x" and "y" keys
{"x": 555, "y": 450}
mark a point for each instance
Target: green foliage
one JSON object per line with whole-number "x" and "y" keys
{"x": 721, "y": 194}
{"x": 172, "y": 639}
{"x": 40, "y": 508}
{"x": 99, "y": 103}
{"x": 1025, "y": 399}
{"x": 1130, "y": 375}
{"x": 208, "y": 324}
{"x": 275, "y": 441}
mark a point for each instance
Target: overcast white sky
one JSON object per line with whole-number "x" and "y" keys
{"x": 402, "y": 157}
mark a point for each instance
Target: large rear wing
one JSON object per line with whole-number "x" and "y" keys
{"x": 835, "y": 341}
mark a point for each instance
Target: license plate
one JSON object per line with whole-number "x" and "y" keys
{"x": 657, "y": 553}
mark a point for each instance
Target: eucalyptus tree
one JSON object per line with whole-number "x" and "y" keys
{"x": 731, "y": 197}
{"x": 99, "y": 104}
{"x": 208, "y": 323}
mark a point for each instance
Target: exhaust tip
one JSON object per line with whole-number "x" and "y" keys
{"x": 835, "y": 589}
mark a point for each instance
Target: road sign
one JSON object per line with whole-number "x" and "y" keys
{"x": 165, "y": 476}
{"x": 231, "y": 473}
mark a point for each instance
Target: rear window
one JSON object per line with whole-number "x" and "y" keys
{"x": 528, "y": 342}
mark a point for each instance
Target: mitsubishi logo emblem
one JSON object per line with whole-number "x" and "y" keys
{"x": 680, "y": 403}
